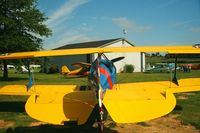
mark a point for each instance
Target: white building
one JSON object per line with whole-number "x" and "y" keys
{"x": 137, "y": 59}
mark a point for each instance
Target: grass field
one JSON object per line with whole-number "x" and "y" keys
{"x": 161, "y": 59}
{"x": 12, "y": 107}
{"x": 40, "y": 78}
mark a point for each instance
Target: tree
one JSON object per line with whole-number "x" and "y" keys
{"x": 21, "y": 27}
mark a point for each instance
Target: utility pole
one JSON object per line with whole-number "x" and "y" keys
{"x": 124, "y": 35}
{"x": 123, "y": 45}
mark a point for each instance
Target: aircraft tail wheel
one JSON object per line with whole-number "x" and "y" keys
{"x": 101, "y": 116}
{"x": 100, "y": 123}
{"x": 100, "y": 127}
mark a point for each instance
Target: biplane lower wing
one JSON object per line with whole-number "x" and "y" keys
{"x": 126, "y": 103}
{"x": 187, "y": 85}
{"x": 137, "y": 102}
{"x": 14, "y": 90}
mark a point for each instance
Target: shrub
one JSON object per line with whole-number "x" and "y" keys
{"x": 128, "y": 68}
{"x": 53, "y": 69}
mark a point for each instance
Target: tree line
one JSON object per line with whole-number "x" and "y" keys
{"x": 21, "y": 27}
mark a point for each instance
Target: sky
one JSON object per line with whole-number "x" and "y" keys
{"x": 146, "y": 22}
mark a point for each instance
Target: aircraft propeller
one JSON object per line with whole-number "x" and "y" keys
{"x": 117, "y": 59}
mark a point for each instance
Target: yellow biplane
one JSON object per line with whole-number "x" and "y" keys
{"x": 83, "y": 68}
{"x": 125, "y": 102}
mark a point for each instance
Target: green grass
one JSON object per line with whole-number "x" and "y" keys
{"x": 20, "y": 118}
{"x": 161, "y": 59}
{"x": 189, "y": 109}
{"x": 12, "y": 107}
{"x": 40, "y": 78}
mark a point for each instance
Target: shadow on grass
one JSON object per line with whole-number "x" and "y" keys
{"x": 57, "y": 129}
{"x": 12, "y": 106}
{"x": 73, "y": 77}
{"x": 178, "y": 108}
{"x": 13, "y": 79}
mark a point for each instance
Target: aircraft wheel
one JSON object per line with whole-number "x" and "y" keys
{"x": 95, "y": 116}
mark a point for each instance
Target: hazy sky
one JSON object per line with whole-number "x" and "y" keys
{"x": 147, "y": 22}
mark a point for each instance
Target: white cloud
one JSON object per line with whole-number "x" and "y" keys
{"x": 173, "y": 44}
{"x": 63, "y": 13}
{"x": 100, "y": 18}
{"x": 68, "y": 38}
{"x": 183, "y": 23}
{"x": 195, "y": 29}
{"x": 71, "y": 39}
{"x": 167, "y": 3}
{"x": 62, "y": 33}
{"x": 125, "y": 23}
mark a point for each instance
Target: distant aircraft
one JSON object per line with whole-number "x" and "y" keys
{"x": 8, "y": 67}
{"x": 125, "y": 102}
{"x": 83, "y": 68}
{"x": 24, "y": 69}
{"x": 163, "y": 67}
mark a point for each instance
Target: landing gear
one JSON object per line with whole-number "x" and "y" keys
{"x": 102, "y": 77}
{"x": 100, "y": 127}
{"x": 101, "y": 116}
{"x": 100, "y": 123}
{"x": 98, "y": 118}
{"x": 100, "y": 96}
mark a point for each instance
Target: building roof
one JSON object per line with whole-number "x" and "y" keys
{"x": 93, "y": 44}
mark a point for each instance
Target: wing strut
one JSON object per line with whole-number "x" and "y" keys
{"x": 174, "y": 80}
{"x": 30, "y": 82}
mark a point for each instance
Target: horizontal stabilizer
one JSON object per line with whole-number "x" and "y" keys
{"x": 131, "y": 105}
{"x": 141, "y": 101}
{"x": 60, "y": 107}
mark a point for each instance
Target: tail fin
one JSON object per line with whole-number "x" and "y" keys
{"x": 64, "y": 70}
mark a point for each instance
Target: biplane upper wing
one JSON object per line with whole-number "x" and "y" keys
{"x": 168, "y": 49}
{"x": 81, "y": 64}
{"x": 142, "y": 101}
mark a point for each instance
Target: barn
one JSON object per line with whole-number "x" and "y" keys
{"x": 137, "y": 59}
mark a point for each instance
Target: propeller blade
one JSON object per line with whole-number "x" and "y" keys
{"x": 117, "y": 59}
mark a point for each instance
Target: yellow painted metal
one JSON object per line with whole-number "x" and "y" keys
{"x": 168, "y": 49}
{"x": 14, "y": 90}
{"x": 64, "y": 70}
{"x": 136, "y": 102}
{"x": 82, "y": 70}
{"x": 127, "y": 104}
{"x": 36, "y": 89}
{"x": 59, "y": 104}
{"x": 75, "y": 72}
{"x": 187, "y": 85}
{"x": 81, "y": 64}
